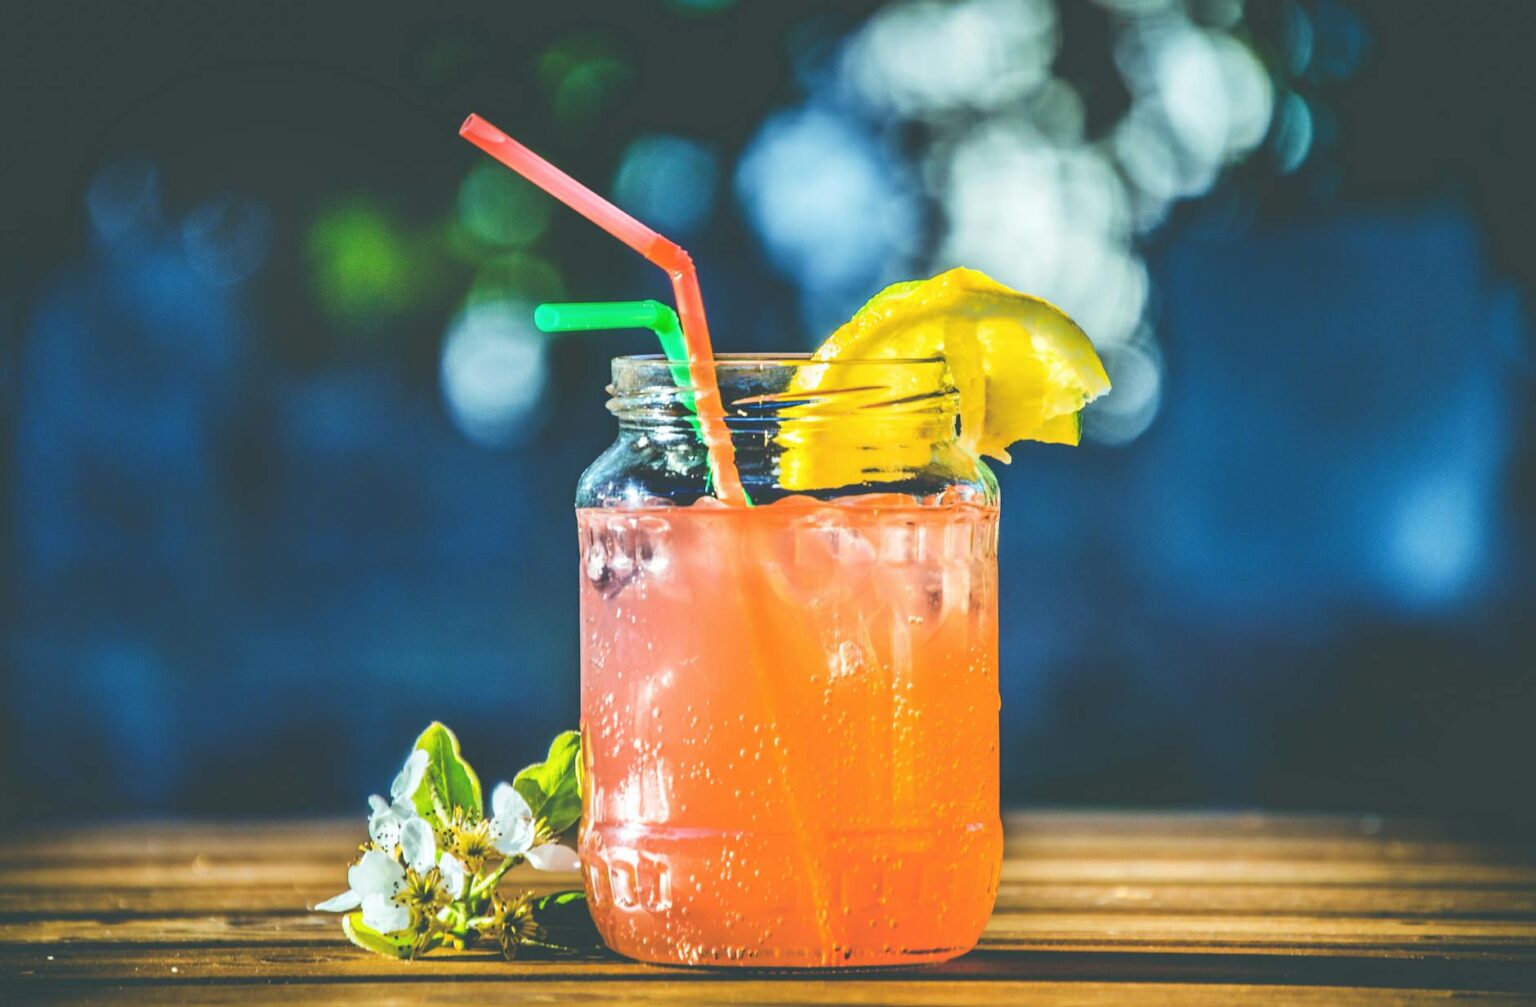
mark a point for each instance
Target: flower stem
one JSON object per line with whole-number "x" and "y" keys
{"x": 488, "y": 883}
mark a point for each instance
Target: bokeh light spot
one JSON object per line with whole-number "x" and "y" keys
{"x": 928, "y": 58}
{"x": 826, "y": 200}
{"x": 227, "y": 239}
{"x": 1147, "y": 155}
{"x": 124, "y": 200}
{"x": 1049, "y": 219}
{"x": 450, "y": 55}
{"x": 1341, "y": 40}
{"x": 517, "y": 276}
{"x": 1217, "y": 13}
{"x": 1057, "y": 110}
{"x": 493, "y": 372}
{"x": 1438, "y": 540}
{"x": 582, "y": 75}
{"x": 361, "y": 264}
{"x": 1298, "y": 38}
{"x": 1215, "y": 93}
{"x": 1200, "y": 101}
{"x": 1136, "y": 376}
{"x": 668, "y": 181}
{"x": 1139, "y": 8}
{"x": 1292, "y": 133}
{"x": 500, "y": 208}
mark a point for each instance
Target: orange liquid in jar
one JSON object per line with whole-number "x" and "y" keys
{"x": 789, "y": 716}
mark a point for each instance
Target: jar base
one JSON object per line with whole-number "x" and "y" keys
{"x": 810, "y": 960}
{"x": 742, "y": 899}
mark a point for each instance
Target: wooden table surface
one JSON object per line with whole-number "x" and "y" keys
{"x": 1094, "y": 908}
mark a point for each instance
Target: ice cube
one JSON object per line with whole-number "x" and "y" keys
{"x": 820, "y": 555}
{"x": 653, "y": 546}
{"x": 920, "y": 595}
{"x": 847, "y": 661}
{"x": 607, "y": 560}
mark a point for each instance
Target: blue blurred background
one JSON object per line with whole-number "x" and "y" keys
{"x": 288, "y": 472}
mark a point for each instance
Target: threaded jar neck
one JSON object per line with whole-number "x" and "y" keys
{"x": 761, "y": 394}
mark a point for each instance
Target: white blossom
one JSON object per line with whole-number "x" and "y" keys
{"x": 418, "y": 845}
{"x": 511, "y": 821}
{"x": 513, "y": 833}
{"x": 374, "y": 882}
{"x": 554, "y": 857}
{"x": 388, "y": 818}
{"x": 451, "y": 870}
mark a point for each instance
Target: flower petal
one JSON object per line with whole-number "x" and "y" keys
{"x": 376, "y": 874}
{"x": 511, "y": 836}
{"x": 451, "y": 869}
{"x": 384, "y": 914}
{"x": 377, "y": 805}
{"x": 384, "y": 830}
{"x": 512, "y": 824}
{"x": 506, "y": 802}
{"x": 409, "y": 777}
{"x": 343, "y": 903}
{"x": 418, "y": 844}
{"x": 554, "y": 857}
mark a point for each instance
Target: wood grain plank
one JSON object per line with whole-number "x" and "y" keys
{"x": 1186, "y": 824}
{"x": 1372, "y": 850}
{"x": 175, "y": 840}
{"x": 1336, "y": 905}
{"x": 330, "y": 877}
{"x": 1224, "y": 871}
{"x": 1084, "y": 831}
{"x": 303, "y": 839}
{"x": 1307, "y": 900}
{"x": 207, "y": 873}
{"x": 809, "y": 993}
{"x": 1141, "y": 898}
{"x": 330, "y": 846}
{"x": 1081, "y": 931}
{"x": 225, "y": 965}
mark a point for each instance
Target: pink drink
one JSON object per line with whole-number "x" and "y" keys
{"x": 790, "y": 725}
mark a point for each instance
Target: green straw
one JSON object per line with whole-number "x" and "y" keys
{"x": 659, "y": 318}
{"x": 653, "y": 315}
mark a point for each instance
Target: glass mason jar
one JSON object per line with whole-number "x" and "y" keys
{"x": 789, "y": 710}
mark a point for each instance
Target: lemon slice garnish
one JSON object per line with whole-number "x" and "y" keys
{"x": 1023, "y": 370}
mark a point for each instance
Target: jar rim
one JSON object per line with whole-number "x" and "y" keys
{"x": 748, "y": 360}
{"x": 766, "y": 398}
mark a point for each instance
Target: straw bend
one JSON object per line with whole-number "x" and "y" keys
{"x": 664, "y": 253}
{"x": 671, "y": 257}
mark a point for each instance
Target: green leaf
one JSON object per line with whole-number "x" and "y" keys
{"x": 448, "y": 777}
{"x": 551, "y": 787}
{"x": 369, "y": 939}
{"x": 566, "y": 922}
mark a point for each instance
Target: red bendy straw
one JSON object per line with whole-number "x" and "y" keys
{"x": 667, "y": 254}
